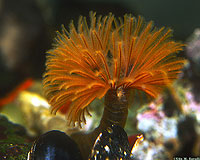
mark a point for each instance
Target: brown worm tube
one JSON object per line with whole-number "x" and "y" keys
{"x": 115, "y": 112}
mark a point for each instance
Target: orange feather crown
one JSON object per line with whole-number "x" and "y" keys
{"x": 109, "y": 53}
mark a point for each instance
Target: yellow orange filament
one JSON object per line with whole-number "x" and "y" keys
{"x": 86, "y": 62}
{"x": 140, "y": 138}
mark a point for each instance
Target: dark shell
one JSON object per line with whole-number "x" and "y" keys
{"x": 112, "y": 143}
{"x": 54, "y": 145}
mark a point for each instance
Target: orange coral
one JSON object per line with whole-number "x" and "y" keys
{"x": 14, "y": 93}
{"x": 109, "y": 53}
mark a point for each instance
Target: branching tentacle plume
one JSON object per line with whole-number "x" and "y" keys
{"x": 109, "y": 53}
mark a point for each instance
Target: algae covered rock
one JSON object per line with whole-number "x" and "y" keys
{"x": 14, "y": 143}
